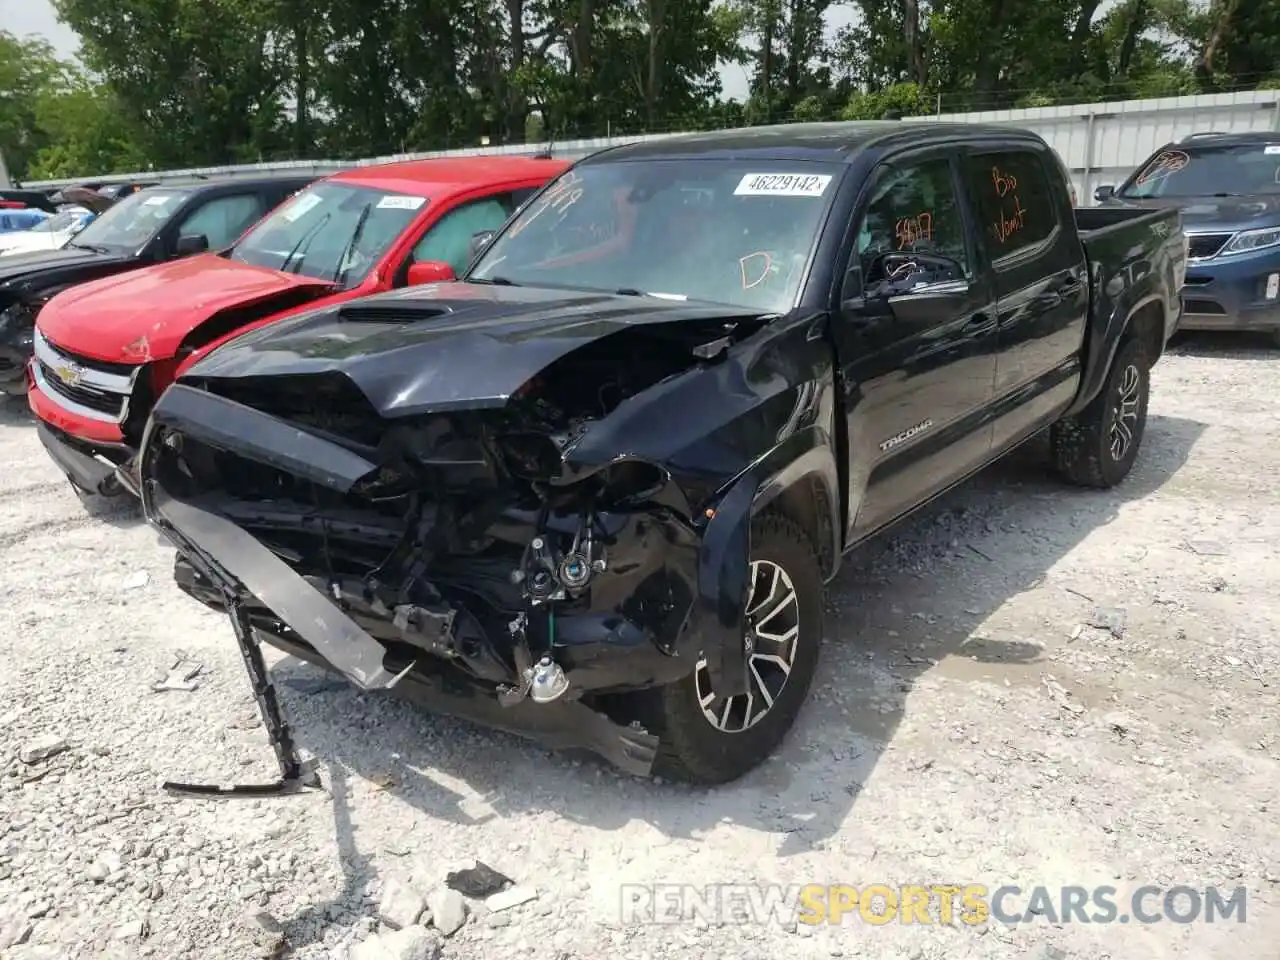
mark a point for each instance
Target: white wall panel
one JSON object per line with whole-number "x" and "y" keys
{"x": 1099, "y": 142}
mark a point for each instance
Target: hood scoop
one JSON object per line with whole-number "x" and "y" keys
{"x": 403, "y": 312}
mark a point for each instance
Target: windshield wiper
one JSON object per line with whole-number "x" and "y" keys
{"x": 339, "y": 271}
{"x": 305, "y": 238}
{"x": 92, "y": 248}
{"x": 495, "y": 281}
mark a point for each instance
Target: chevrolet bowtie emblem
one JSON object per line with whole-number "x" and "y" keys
{"x": 69, "y": 374}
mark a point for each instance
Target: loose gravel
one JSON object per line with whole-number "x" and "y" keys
{"x": 1026, "y": 684}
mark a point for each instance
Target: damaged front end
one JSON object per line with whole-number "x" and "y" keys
{"x": 460, "y": 554}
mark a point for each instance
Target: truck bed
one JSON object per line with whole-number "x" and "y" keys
{"x": 1096, "y": 222}
{"x": 1135, "y": 256}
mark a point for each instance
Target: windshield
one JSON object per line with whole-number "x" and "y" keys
{"x": 60, "y": 222}
{"x": 1241, "y": 170}
{"x": 331, "y": 231}
{"x": 734, "y": 233}
{"x": 132, "y": 222}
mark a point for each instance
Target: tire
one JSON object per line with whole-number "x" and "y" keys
{"x": 691, "y": 749}
{"x": 1098, "y": 446}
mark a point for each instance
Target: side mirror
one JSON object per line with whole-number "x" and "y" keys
{"x": 902, "y": 272}
{"x": 430, "y": 271}
{"x": 478, "y": 242}
{"x": 1104, "y": 192}
{"x": 191, "y": 243}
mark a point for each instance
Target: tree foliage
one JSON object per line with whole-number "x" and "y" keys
{"x": 177, "y": 83}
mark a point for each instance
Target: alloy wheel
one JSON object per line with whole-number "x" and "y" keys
{"x": 772, "y": 635}
{"x": 1124, "y": 420}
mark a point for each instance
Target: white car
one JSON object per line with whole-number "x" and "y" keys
{"x": 52, "y": 234}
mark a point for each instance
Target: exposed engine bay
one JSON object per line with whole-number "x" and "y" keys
{"x": 461, "y": 542}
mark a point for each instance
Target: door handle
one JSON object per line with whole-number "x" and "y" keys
{"x": 976, "y": 321}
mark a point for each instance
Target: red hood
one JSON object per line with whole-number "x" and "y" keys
{"x": 145, "y": 314}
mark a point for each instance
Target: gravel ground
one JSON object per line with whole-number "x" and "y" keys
{"x": 968, "y": 726}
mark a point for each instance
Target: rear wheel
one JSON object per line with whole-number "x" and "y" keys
{"x": 1098, "y": 446}
{"x": 709, "y": 738}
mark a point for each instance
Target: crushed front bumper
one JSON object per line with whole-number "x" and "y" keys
{"x": 601, "y": 650}
{"x": 217, "y": 557}
{"x": 227, "y": 567}
{"x": 560, "y": 725}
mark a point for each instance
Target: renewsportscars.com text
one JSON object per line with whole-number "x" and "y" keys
{"x": 971, "y": 904}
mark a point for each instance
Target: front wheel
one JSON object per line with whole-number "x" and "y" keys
{"x": 710, "y": 739}
{"x": 1098, "y": 446}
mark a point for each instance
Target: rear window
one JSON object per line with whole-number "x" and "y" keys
{"x": 1240, "y": 170}
{"x": 1016, "y": 200}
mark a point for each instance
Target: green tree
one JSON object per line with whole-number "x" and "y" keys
{"x": 29, "y": 74}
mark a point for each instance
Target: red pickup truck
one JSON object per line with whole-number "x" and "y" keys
{"x": 106, "y": 350}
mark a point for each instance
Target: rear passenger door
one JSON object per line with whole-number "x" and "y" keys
{"x": 916, "y": 367}
{"x": 1041, "y": 283}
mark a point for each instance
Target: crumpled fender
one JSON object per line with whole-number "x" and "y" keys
{"x": 723, "y": 565}
{"x": 724, "y": 562}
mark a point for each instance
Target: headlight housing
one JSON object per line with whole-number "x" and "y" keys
{"x": 1247, "y": 241}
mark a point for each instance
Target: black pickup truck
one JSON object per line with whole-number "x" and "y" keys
{"x": 147, "y": 226}
{"x": 593, "y": 489}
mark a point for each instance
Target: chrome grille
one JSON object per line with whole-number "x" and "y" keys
{"x": 1202, "y": 246}
{"x": 84, "y": 386}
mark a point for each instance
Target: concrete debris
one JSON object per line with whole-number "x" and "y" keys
{"x": 181, "y": 676}
{"x": 106, "y": 865}
{"x": 136, "y": 580}
{"x": 512, "y": 897}
{"x": 400, "y": 905}
{"x": 42, "y": 748}
{"x": 448, "y": 911}
{"x": 133, "y": 930}
{"x": 1110, "y": 619}
{"x": 14, "y": 932}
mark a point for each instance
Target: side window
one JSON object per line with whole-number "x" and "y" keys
{"x": 449, "y": 239}
{"x": 1016, "y": 200}
{"x": 520, "y": 197}
{"x": 223, "y": 220}
{"x": 912, "y": 209}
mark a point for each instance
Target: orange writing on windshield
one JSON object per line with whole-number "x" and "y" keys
{"x": 1012, "y": 216}
{"x": 911, "y": 230}
{"x": 1166, "y": 163}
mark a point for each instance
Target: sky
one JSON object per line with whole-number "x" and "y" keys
{"x": 22, "y": 17}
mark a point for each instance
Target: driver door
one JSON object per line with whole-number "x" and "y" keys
{"x": 917, "y": 355}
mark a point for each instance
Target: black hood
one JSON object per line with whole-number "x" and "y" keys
{"x": 46, "y": 268}
{"x": 1218, "y": 214}
{"x": 448, "y": 346}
